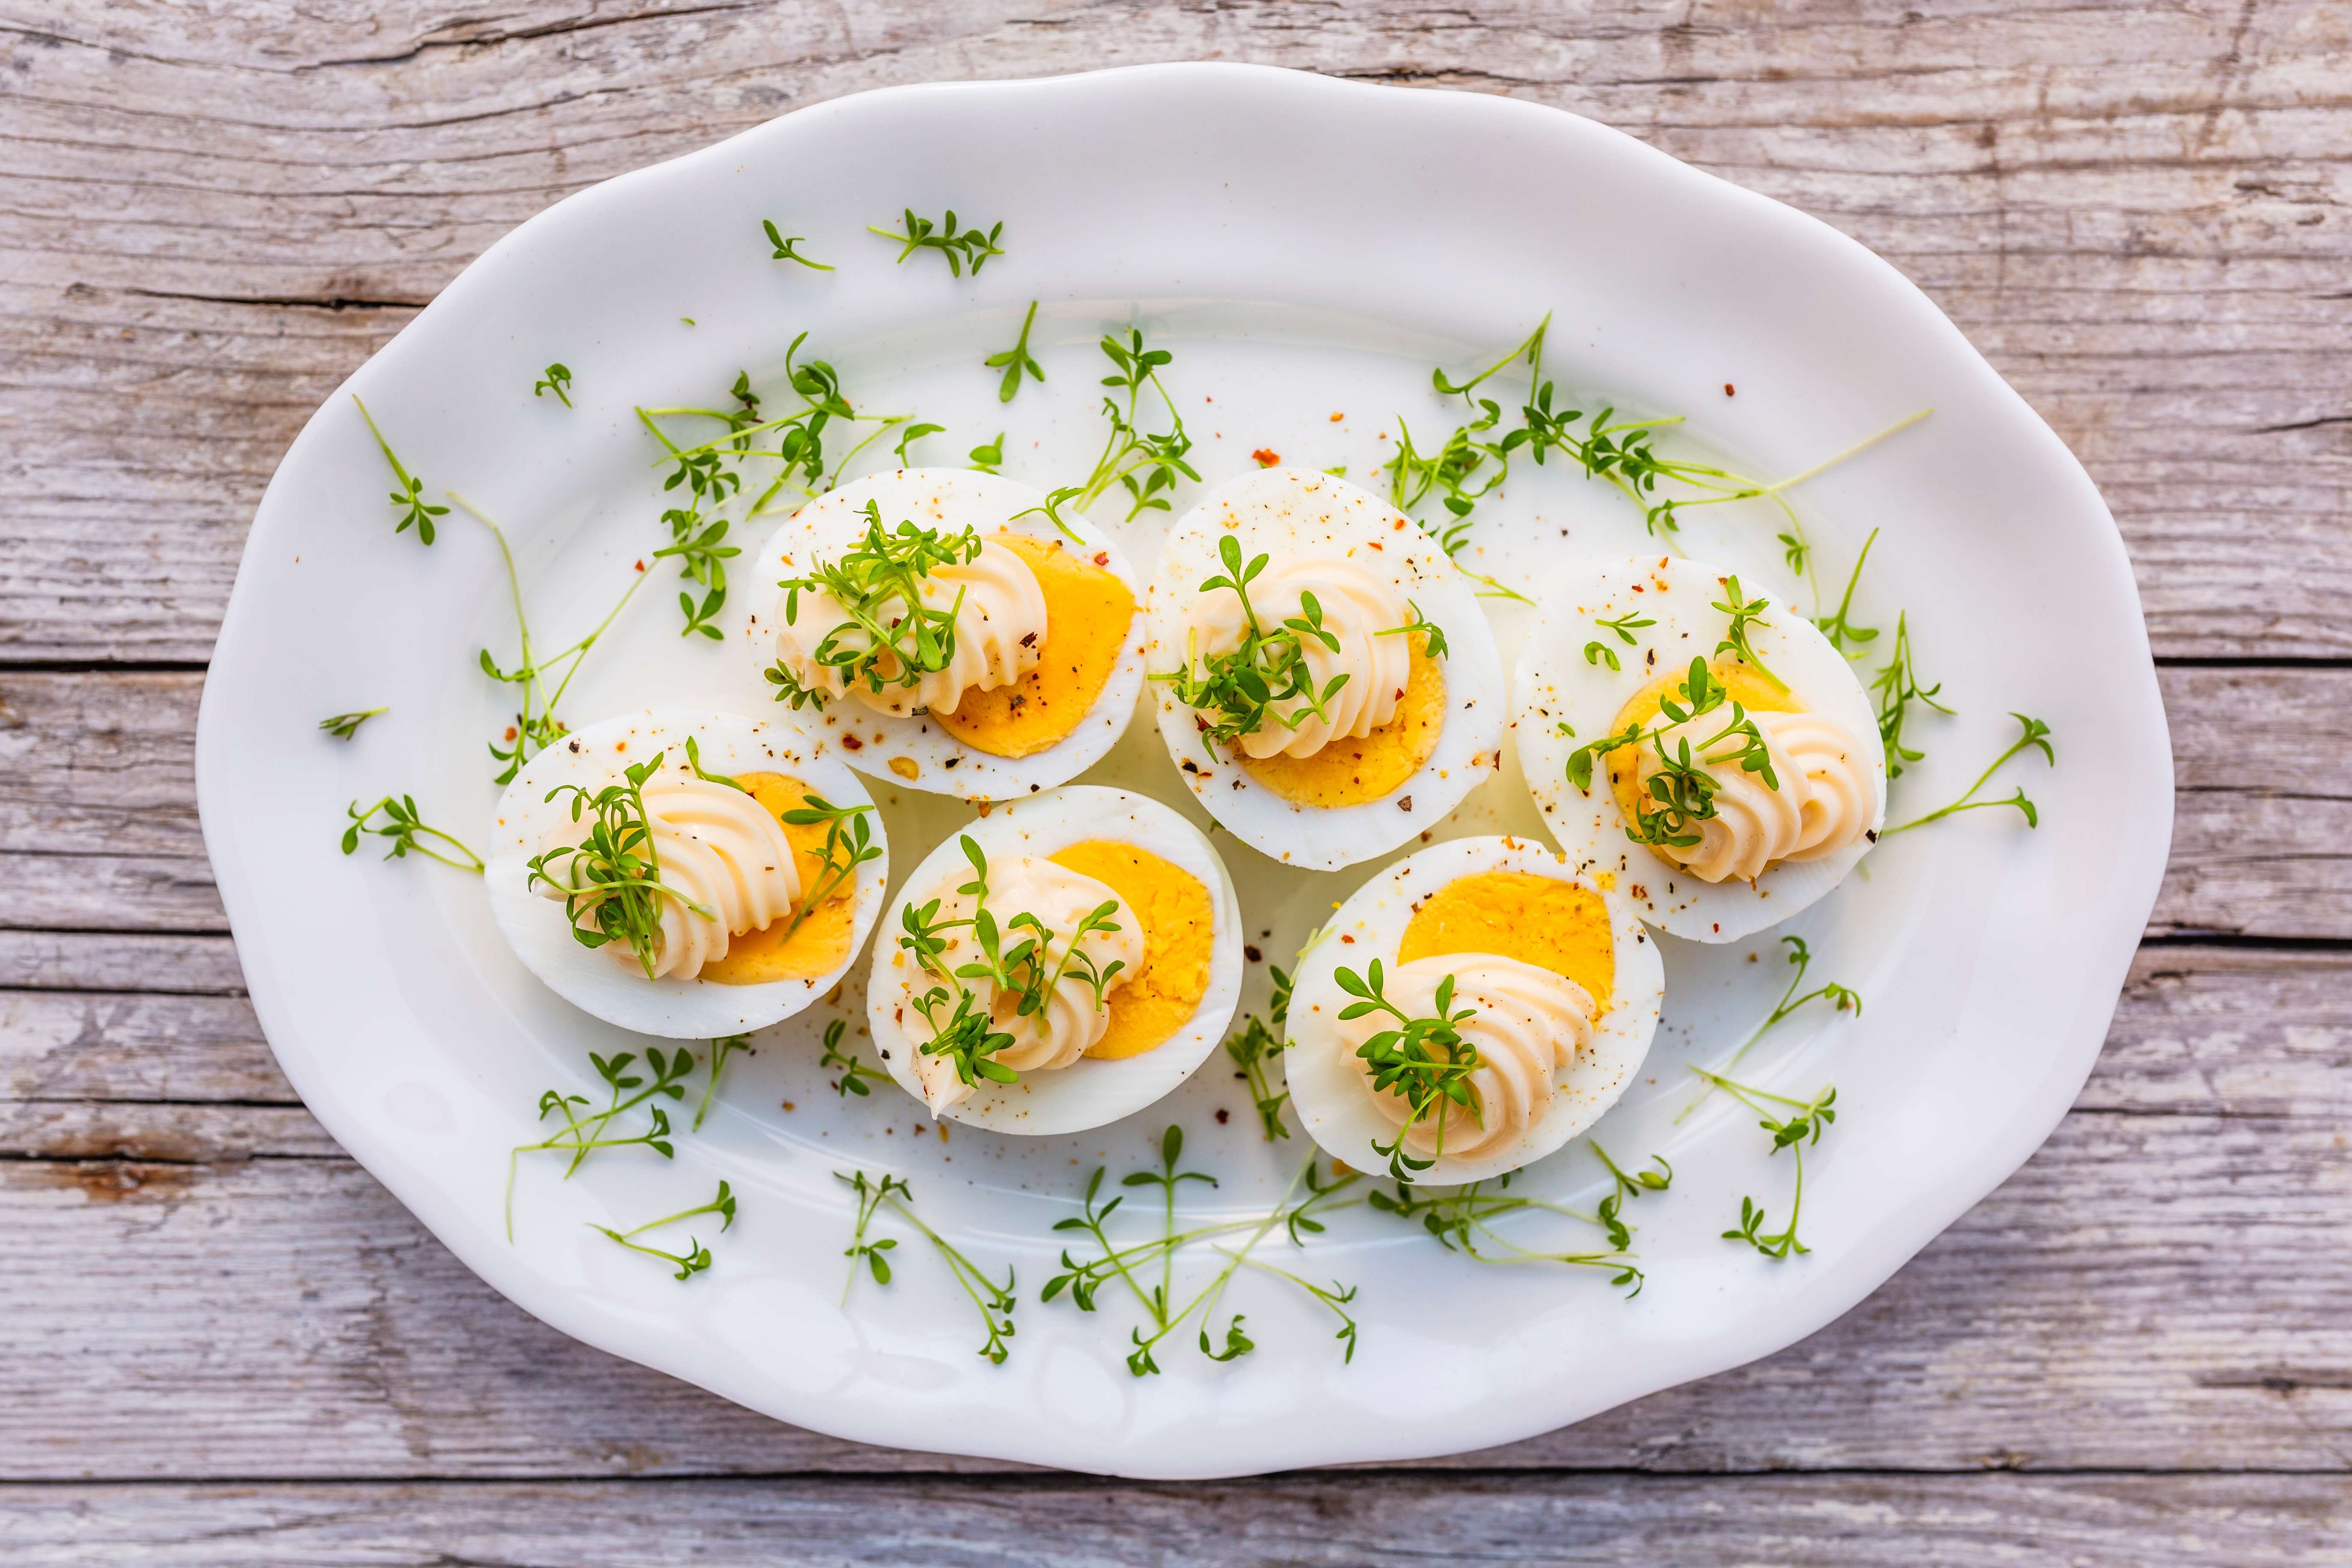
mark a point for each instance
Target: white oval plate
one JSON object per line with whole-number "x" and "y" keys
{"x": 1228, "y": 211}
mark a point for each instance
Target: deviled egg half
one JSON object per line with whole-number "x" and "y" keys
{"x": 950, "y": 632}
{"x": 1468, "y": 1011}
{"x": 1327, "y": 683}
{"x": 686, "y": 873}
{"x": 1697, "y": 744}
{"x": 1061, "y": 962}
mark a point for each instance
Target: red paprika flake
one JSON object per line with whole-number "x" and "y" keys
{"x": 1266, "y": 457}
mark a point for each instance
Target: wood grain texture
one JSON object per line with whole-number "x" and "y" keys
{"x": 1342, "y": 1521}
{"x": 2139, "y": 215}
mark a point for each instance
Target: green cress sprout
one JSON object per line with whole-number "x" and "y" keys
{"x": 1144, "y": 465}
{"x": 611, "y": 881}
{"x": 557, "y": 380}
{"x": 408, "y": 498}
{"x": 406, "y": 830}
{"x": 1147, "y": 1268}
{"x": 1744, "y": 612}
{"x": 853, "y": 1071}
{"x": 1681, "y": 793}
{"x": 722, "y": 1047}
{"x": 588, "y": 1127}
{"x": 1015, "y": 959}
{"x": 970, "y": 249}
{"x": 2035, "y": 735}
{"x": 535, "y": 725}
{"x": 994, "y": 1302}
{"x": 1267, "y": 679}
{"x": 712, "y": 472}
{"x": 1462, "y": 1219}
{"x": 1897, "y": 684}
{"x": 849, "y": 844}
{"x": 893, "y": 638}
{"x": 1840, "y": 628}
{"x": 1474, "y": 460}
{"x": 694, "y": 764}
{"x": 343, "y": 726}
{"x": 1841, "y": 997}
{"x": 1425, "y": 1062}
{"x": 909, "y": 437}
{"x": 784, "y": 247}
{"x": 1254, "y": 1050}
{"x": 1015, "y": 361}
{"x": 1792, "y": 1132}
{"x": 696, "y": 1256}
{"x": 1897, "y": 687}
{"x": 1624, "y": 625}
{"x": 988, "y": 456}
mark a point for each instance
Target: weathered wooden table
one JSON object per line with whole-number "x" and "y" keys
{"x": 221, "y": 1343}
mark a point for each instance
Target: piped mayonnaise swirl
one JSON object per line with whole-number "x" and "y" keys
{"x": 1529, "y": 1023}
{"x": 1821, "y": 804}
{"x": 716, "y": 846}
{"x": 1073, "y": 1016}
{"x": 1357, "y": 607}
{"x": 1000, "y": 634}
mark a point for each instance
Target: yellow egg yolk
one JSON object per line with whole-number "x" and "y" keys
{"x": 1349, "y": 773}
{"x": 1180, "y": 929}
{"x": 1541, "y": 920}
{"x": 821, "y": 939}
{"x": 1087, "y": 614}
{"x": 1746, "y": 686}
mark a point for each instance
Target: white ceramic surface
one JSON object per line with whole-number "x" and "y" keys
{"x": 1246, "y": 219}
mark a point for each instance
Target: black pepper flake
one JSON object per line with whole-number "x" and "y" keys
{"x": 1404, "y": 802}
{"x": 1250, "y": 951}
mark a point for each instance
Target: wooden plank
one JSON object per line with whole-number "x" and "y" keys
{"x": 100, "y": 1046}
{"x": 119, "y": 960}
{"x": 2202, "y": 1030}
{"x": 1342, "y": 1520}
{"x": 99, "y": 763}
{"x": 2150, "y": 1292}
{"x": 2138, "y": 218}
{"x": 96, "y": 773}
{"x": 81, "y": 1129}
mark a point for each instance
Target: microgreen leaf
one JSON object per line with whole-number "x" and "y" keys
{"x": 343, "y": 726}
{"x": 785, "y": 244}
{"x": 1016, "y": 360}
{"x": 970, "y": 248}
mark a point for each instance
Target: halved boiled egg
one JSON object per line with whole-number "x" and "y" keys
{"x": 1548, "y": 986}
{"x": 1061, "y": 962}
{"x": 948, "y": 632}
{"x": 726, "y": 886}
{"x": 1697, "y": 744}
{"x": 1327, "y": 683}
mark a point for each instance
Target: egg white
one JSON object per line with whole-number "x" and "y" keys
{"x": 952, "y": 499}
{"x": 1298, "y": 511}
{"x": 1087, "y": 1093}
{"x": 1328, "y": 1088}
{"x": 589, "y": 978}
{"x": 1556, "y": 685}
